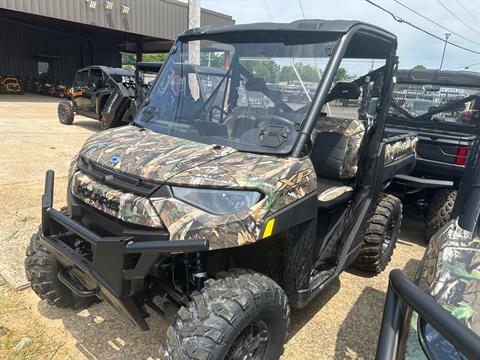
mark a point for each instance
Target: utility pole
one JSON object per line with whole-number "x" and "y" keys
{"x": 447, "y": 35}
{"x": 194, "y": 46}
{"x": 194, "y": 22}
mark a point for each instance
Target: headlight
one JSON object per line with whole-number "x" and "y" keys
{"x": 217, "y": 201}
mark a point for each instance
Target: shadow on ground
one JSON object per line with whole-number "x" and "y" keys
{"x": 102, "y": 333}
{"x": 299, "y": 317}
{"x": 92, "y": 125}
{"x": 358, "y": 333}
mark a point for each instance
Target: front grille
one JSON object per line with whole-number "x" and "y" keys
{"x": 120, "y": 181}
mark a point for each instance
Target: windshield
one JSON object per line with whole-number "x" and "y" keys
{"x": 252, "y": 96}
{"x": 426, "y": 103}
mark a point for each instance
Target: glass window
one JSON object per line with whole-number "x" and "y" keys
{"x": 82, "y": 78}
{"x": 96, "y": 77}
{"x": 250, "y": 94}
{"x": 43, "y": 68}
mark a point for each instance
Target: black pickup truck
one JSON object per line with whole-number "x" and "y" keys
{"x": 442, "y": 108}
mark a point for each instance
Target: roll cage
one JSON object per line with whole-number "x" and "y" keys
{"x": 353, "y": 40}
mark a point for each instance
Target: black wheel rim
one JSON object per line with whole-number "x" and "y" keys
{"x": 252, "y": 343}
{"x": 387, "y": 240}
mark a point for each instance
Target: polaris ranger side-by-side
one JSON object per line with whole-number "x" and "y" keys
{"x": 126, "y": 98}
{"x": 443, "y": 109}
{"x": 90, "y": 92}
{"x": 231, "y": 204}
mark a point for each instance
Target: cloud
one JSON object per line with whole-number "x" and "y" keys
{"x": 414, "y": 47}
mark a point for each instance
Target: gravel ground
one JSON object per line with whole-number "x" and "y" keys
{"x": 341, "y": 323}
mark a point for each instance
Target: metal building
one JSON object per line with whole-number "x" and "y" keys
{"x": 54, "y": 38}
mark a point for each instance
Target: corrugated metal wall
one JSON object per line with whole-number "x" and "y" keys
{"x": 162, "y": 19}
{"x": 23, "y": 44}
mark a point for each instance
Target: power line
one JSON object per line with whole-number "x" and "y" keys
{"x": 435, "y": 23}
{"x": 400, "y": 20}
{"x": 466, "y": 10}
{"x": 301, "y": 8}
{"x": 456, "y": 17}
{"x": 267, "y": 9}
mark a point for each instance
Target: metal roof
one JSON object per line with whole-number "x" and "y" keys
{"x": 159, "y": 19}
{"x": 439, "y": 77}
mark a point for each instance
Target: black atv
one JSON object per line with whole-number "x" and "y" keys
{"x": 123, "y": 104}
{"x": 90, "y": 92}
{"x": 229, "y": 209}
{"x": 443, "y": 109}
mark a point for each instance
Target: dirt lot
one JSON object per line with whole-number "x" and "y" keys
{"x": 341, "y": 323}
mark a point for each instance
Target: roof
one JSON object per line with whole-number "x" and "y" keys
{"x": 110, "y": 70}
{"x": 439, "y": 77}
{"x": 370, "y": 40}
{"x": 154, "y": 19}
{"x": 311, "y": 25}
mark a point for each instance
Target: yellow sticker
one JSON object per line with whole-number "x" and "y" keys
{"x": 269, "y": 228}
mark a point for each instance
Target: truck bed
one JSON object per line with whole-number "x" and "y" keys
{"x": 440, "y": 153}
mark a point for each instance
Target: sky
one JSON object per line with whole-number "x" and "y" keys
{"x": 414, "y": 47}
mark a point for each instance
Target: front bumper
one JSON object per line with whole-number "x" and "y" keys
{"x": 110, "y": 274}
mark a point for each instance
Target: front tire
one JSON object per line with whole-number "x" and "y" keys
{"x": 240, "y": 314}
{"x": 439, "y": 211}
{"x": 65, "y": 113}
{"x": 42, "y": 269}
{"x": 381, "y": 235}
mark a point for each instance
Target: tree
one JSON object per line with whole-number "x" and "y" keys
{"x": 419, "y": 67}
{"x": 307, "y": 73}
{"x": 129, "y": 60}
{"x": 342, "y": 75}
{"x": 155, "y": 57}
{"x": 266, "y": 69}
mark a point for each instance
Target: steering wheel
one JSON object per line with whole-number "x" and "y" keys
{"x": 274, "y": 120}
{"x": 215, "y": 107}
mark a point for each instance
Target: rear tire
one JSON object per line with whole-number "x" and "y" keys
{"x": 439, "y": 211}
{"x": 238, "y": 314}
{"x": 381, "y": 235}
{"x": 65, "y": 113}
{"x": 42, "y": 269}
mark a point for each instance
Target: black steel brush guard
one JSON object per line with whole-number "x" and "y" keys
{"x": 106, "y": 273}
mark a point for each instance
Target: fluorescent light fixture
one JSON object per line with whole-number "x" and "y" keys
{"x": 92, "y": 4}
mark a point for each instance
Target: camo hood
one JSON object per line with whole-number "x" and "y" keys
{"x": 176, "y": 162}
{"x": 148, "y": 155}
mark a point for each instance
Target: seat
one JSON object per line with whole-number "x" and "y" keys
{"x": 334, "y": 157}
{"x": 331, "y": 194}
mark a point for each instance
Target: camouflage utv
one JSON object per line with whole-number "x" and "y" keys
{"x": 440, "y": 317}
{"x": 225, "y": 201}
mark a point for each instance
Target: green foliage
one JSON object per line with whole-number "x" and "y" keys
{"x": 158, "y": 57}
{"x": 129, "y": 60}
{"x": 419, "y": 67}
{"x": 266, "y": 69}
{"x": 212, "y": 59}
{"x": 343, "y": 75}
{"x": 307, "y": 73}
